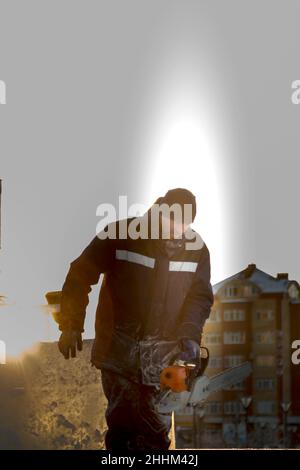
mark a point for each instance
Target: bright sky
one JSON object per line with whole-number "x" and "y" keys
{"x": 157, "y": 96}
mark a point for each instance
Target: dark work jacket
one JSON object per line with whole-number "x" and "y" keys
{"x": 149, "y": 298}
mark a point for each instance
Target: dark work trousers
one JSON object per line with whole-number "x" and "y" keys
{"x": 132, "y": 420}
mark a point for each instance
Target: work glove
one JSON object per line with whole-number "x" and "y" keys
{"x": 68, "y": 342}
{"x": 190, "y": 354}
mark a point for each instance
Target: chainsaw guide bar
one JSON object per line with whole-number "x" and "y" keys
{"x": 202, "y": 388}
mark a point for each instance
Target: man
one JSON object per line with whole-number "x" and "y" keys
{"x": 154, "y": 299}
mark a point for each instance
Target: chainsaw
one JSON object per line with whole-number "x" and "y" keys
{"x": 176, "y": 394}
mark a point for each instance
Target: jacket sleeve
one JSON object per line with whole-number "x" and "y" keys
{"x": 198, "y": 302}
{"x": 84, "y": 272}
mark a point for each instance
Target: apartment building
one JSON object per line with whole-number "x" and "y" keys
{"x": 255, "y": 317}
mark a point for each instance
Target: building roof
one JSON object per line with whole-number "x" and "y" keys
{"x": 265, "y": 282}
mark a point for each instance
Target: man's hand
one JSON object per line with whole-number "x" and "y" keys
{"x": 190, "y": 354}
{"x": 68, "y": 341}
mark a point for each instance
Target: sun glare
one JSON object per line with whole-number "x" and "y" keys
{"x": 21, "y": 329}
{"x": 184, "y": 155}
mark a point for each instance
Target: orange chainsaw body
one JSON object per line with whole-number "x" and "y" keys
{"x": 175, "y": 378}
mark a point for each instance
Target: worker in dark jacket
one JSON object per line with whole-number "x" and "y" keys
{"x": 154, "y": 299}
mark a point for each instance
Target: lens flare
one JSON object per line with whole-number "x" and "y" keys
{"x": 184, "y": 155}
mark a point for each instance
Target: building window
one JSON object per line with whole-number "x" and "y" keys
{"x": 264, "y": 337}
{"x": 215, "y": 316}
{"x": 185, "y": 434}
{"x": 232, "y": 361}
{"x": 216, "y": 362}
{"x": 212, "y": 434}
{"x": 265, "y": 361}
{"x": 237, "y": 386}
{"x": 232, "y": 407}
{"x": 249, "y": 290}
{"x": 231, "y": 291}
{"x": 234, "y": 337}
{"x": 264, "y": 315}
{"x": 214, "y": 408}
{"x": 266, "y": 407}
{"x": 212, "y": 338}
{"x": 234, "y": 315}
{"x": 265, "y": 384}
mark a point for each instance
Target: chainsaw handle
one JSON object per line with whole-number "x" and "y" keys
{"x": 203, "y": 361}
